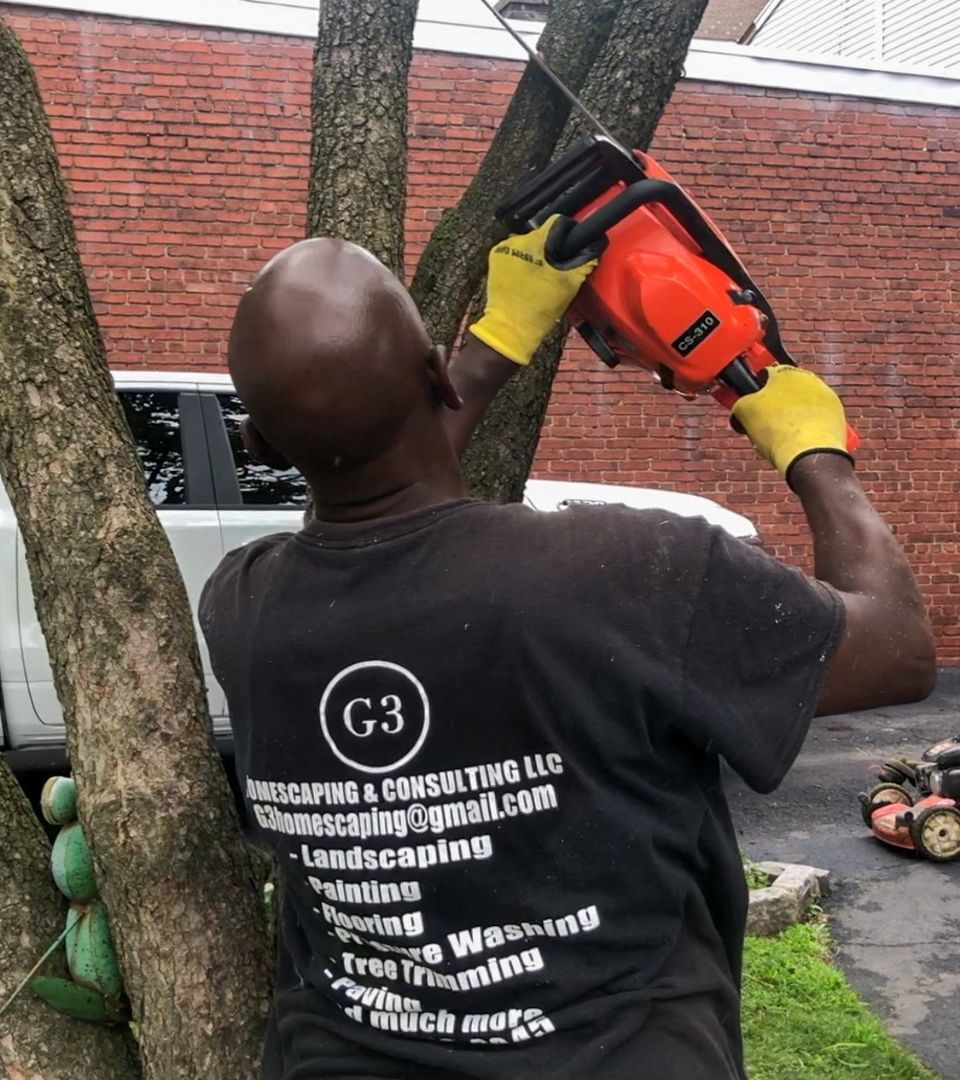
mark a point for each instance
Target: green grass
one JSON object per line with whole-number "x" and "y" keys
{"x": 756, "y": 878}
{"x": 801, "y": 1020}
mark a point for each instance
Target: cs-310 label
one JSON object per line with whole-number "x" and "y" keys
{"x": 696, "y": 334}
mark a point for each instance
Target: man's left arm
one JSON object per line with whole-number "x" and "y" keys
{"x": 758, "y": 649}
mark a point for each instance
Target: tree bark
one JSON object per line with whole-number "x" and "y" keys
{"x": 171, "y": 863}
{"x": 358, "y": 154}
{"x": 628, "y": 87}
{"x": 36, "y": 1041}
{"x": 454, "y": 262}
{"x": 632, "y": 81}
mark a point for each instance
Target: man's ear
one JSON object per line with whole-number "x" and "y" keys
{"x": 438, "y": 371}
{"x": 259, "y": 449}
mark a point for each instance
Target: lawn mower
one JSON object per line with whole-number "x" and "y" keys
{"x": 916, "y": 804}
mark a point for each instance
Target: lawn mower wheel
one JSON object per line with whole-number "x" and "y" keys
{"x": 883, "y": 795}
{"x": 936, "y": 833}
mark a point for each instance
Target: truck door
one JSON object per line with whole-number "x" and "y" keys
{"x": 253, "y": 500}
{"x": 168, "y": 431}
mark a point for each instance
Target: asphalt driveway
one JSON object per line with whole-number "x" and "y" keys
{"x": 896, "y": 919}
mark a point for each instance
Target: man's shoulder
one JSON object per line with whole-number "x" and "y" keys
{"x": 602, "y": 523}
{"x": 260, "y": 545}
{"x": 246, "y": 555}
{"x": 611, "y": 543}
{"x": 238, "y": 563}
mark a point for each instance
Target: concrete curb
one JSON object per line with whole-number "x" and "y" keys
{"x": 784, "y": 902}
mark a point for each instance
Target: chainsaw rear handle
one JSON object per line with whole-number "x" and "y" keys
{"x": 738, "y": 379}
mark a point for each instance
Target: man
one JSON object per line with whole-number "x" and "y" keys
{"x": 484, "y": 742}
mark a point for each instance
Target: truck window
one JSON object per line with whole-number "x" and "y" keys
{"x": 154, "y": 419}
{"x": 259, "y": 484}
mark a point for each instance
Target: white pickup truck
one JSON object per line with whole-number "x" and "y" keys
{"x": 210, "y": 497}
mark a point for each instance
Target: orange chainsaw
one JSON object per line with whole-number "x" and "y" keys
{"x": 669, "y": 294}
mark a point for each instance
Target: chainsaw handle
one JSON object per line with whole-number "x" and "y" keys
{"x": 738, "y": 379}
{"x": 601, "y": 221}
{"x": 580, "y": 176}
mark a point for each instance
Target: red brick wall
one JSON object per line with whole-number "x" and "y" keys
{"x": 186, "y": 152}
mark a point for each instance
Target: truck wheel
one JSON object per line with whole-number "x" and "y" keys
{"x": 936, "y": 833}
{"x": 883, "y": 795}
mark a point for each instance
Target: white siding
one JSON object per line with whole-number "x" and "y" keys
{"x": 922, "y": 32}
{"x": 806, "y": 26}
{"x": 916, "y": 33}
{"x": 857, "y": 37}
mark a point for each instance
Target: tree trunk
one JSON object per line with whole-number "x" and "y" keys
{"x": 358, "y": 154}
{"x": 171, "y": 863}
{"x": 36, "y": 1041}
{"x": 454, "y": 262}
{"x": 631, "y": 83}
{"x": 628, "y": 88}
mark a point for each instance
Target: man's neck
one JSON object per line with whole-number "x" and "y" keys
{"x": 369, "y": 503}
{"x": 416, "y": 472}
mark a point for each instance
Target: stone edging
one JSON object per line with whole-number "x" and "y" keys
{"x": 784, "y": 902}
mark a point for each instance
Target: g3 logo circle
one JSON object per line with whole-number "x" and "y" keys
{"x": 375, "y": 716}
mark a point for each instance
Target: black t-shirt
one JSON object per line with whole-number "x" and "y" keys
{"x": 484, "y": 744}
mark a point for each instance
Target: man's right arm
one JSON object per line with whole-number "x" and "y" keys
{"x": 478, "y": 372}
{"x": 886, "y": 655}
{"x": 527, "y": 295}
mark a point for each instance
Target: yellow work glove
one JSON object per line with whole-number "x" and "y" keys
{"x": 527, "y": 293}
{"x": 794, "y": 414}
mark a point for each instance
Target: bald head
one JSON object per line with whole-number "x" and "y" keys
{"x": 330, "y": 356}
